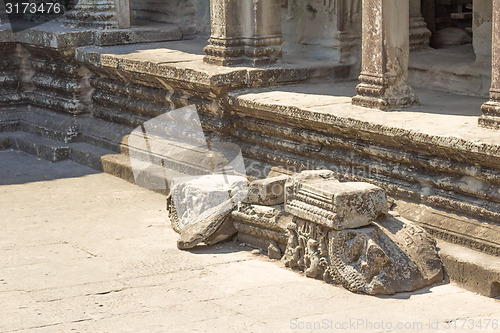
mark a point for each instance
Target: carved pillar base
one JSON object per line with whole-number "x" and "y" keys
{"x": 224, "y": 52}
{"x": 419, "y": 34}
{"x": 255, "y": 51}
{"x": 93, "y": 13}
{"x": 491, "y": 112}
{"x": 383, "y": 92}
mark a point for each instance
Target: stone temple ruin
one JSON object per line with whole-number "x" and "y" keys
{"x": 393, "y": 103}
{"x": 341, "y": 232}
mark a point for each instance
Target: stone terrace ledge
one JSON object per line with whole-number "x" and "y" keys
{"x": 444, "y": 120}
{"x": 182, "y": 61}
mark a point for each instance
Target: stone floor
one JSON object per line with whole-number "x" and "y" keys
{"x": 452, "y": 68}
{"x": 87, "y": 252}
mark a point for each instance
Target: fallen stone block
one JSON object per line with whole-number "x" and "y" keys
{"x": 342, "y": 233}
{"x": 225, "y": 231}
{"x": 190, "y": 197}
{"x": 199, "y": 208}
{"x": 391, "y": 255}
{"x": 207, "y": 225}
{"x": 313, "y": 174}
{"x": 267, "y": 192}
{"x": 270, "y": 191}
{"x": 261, "y": 225}
{"x": 334, "y": 204}
{"x": 273, "y": 251}
{"x": 269, "y": 217}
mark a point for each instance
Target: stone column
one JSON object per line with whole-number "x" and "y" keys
{"x": 491, "y": 109}
{"x": 385, "y": 51}
{"x": 264, "y": 43}
{"x": 244, "y": 32}
{"x": 419, "y": 33}
{"x": 481, "y": 27}
{"x": 123, "y": 9}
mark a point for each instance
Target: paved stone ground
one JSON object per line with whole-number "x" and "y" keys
{"x": 87, "y": 252}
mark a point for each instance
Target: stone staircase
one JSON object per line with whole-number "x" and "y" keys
{"x": 54, "y": 137}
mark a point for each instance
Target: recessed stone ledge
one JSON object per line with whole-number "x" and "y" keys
{"x": 58, "y": 36}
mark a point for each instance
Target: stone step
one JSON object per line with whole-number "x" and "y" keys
{"x": 45, "y": 148}
{"x": 65, "y": 128}
{"x": 149, "y": 33}
{"x": 193, "y": 158}
{"x": 88, "y": 155}
{"x": 53, "y": 150}
{"x": 472, "y": 270}
{"x": 119, "y": 165}
{"x": 152, "y": 176}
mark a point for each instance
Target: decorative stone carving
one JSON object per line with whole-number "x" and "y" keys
{"x": 419, "y": 33}
{"x": 391, "y": 255}
{"x": 341, "y": 234}
{"x": 99, "y": 14}
{"x": 261, "y": 225}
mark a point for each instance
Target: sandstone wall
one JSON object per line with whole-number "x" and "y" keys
{"x": 192, "y": 15}
{"x": 313, "y": 27}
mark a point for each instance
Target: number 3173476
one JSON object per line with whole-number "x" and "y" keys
{"x": 33, "y": 8}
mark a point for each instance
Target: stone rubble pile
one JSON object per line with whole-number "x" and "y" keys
{"x": 341, "y": 232}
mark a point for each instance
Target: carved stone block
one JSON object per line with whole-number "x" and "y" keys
{"x": 200, "y": 208}
{"x": 335, "y": 205}
{"x": 392, "y": 255}
{"x": 342, "y": 234}
{"x": 273, "y": 251}
{"x": 208, "y": 223}
{"x": 261, "y": 226}
{"x": 267, "y": 192}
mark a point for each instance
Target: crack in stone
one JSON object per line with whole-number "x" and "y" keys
{"x": 51, "y": 325}
{"x": 107, "y": 292}
{"x": 86, "y": 251}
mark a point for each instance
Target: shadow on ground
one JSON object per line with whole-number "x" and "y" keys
{"x": 20, "y": 168}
